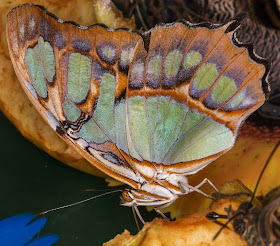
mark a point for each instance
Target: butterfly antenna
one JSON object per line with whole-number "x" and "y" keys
{"x": 262, "y": 172}
{"x": 76, "y": 203}
{"x": 101, "y": 189}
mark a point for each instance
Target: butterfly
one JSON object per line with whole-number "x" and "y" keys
{"x": 146, "y": 109}
{"x": 256, "y": 224}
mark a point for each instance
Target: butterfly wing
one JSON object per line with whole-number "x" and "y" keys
{"x": 172, "y": 99}
{"x": 70, "y": 73}
{"x": 193, "y": 88}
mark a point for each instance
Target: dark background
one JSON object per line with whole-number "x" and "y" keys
{"x": 32, "y": 181}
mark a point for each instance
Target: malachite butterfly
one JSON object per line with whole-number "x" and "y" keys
{"x": 147, "y": 109}
{"x": 258, "y": 224}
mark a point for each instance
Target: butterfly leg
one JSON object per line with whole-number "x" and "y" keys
{"x": 157, "y": 209}
{"x": 135, "y": 218}
{"x": 190, "y": 188}
{"x": 161, "y": 213}
{"x": 138, "y": 214}
{"x": 209, "y": 182}
{"x": 196, "y": 188}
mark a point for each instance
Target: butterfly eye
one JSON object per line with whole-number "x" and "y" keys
{"x": 239, "y": 226}
{"x": 126, "y": 196}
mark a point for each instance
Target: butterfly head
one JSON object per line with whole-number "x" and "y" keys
{"x": 131, "y": 197}
{"x": 141, "y": 197}
{"x": 126, "y": 197}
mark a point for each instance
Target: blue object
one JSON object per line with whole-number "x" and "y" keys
{"x": 20, "y": 230}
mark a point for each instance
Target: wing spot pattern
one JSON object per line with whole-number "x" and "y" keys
{"x": 104, "y": 112}
{"x": 107, "y": 53}
{"x": 126, "y": 55}
{"x": 192, "y": 59}
{"x": 204, "y": 78}
{"x": 154, "y": 71}
{"x": 82, "y": 45}
{"x": 136, "y": 80}
{"x": 172, "y": 63}
{"x": 190, "y": 63}
{"x": 31, "y": 27}
{"x": 79, "y": 74}
{"x": 59, "y": 40}
{"x": 71, "y": 112}
{"x": 22, "y": 32}
{"x": 40, "y": 64}
{"x": 223, "y": 90}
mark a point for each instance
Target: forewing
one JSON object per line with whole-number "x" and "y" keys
{"x": 74, "y": 76}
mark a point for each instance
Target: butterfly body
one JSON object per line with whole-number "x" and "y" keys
{"x": 146, "y": 109}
